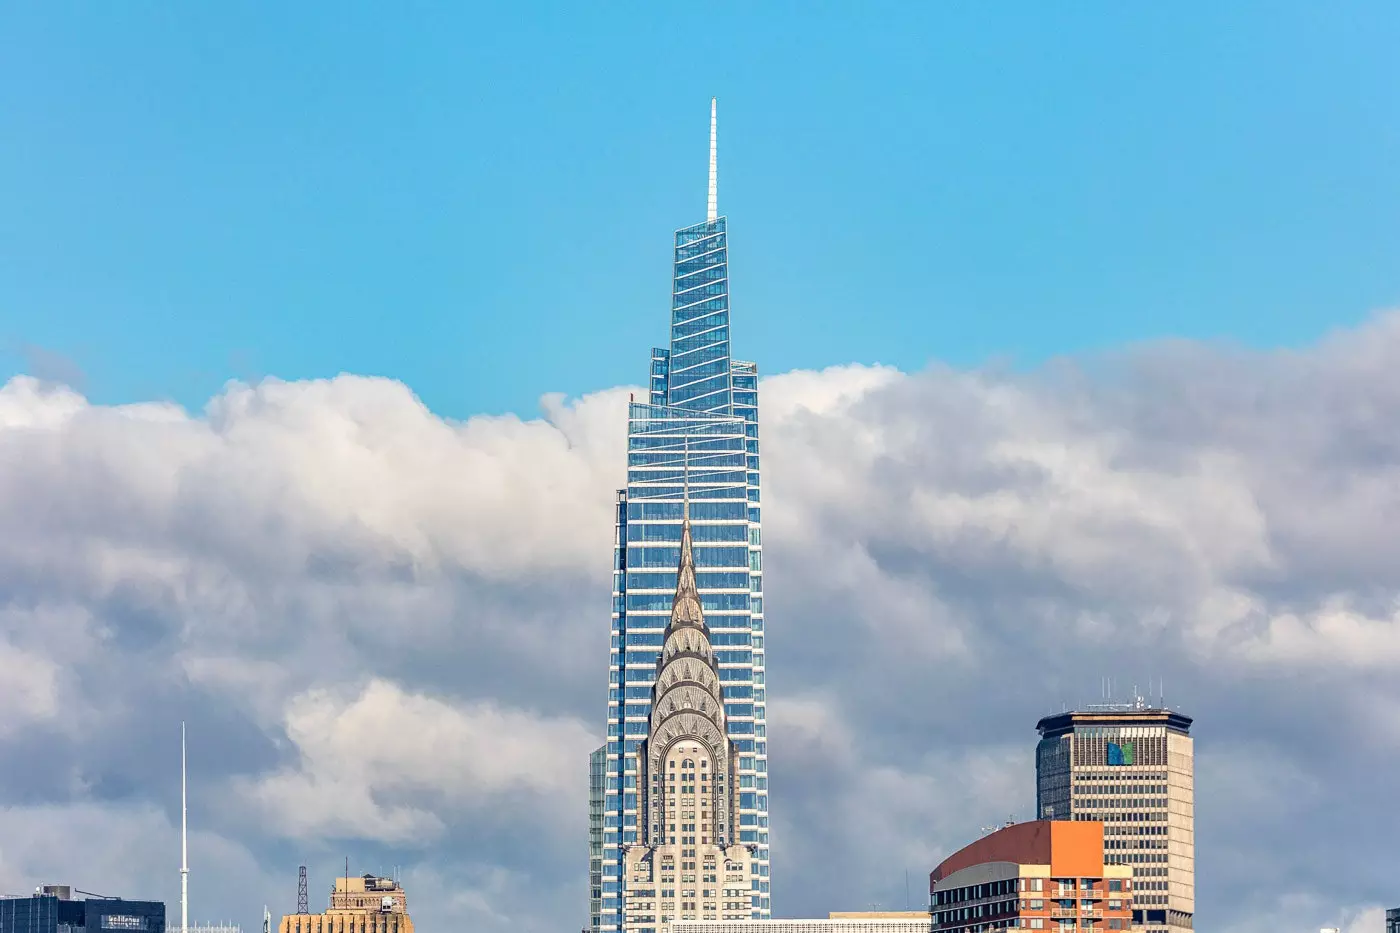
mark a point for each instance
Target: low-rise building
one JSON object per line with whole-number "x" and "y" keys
{"x": 1042, "y": 875}
{"x": 858, "y": 922}
{"x": 52, "y": 909}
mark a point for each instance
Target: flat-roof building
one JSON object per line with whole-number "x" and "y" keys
{"x": 1043, "y": 875}
{"x": 1130, "y": 767}
{"x": 52, "y": 909}
{"x": 855, "y": 922}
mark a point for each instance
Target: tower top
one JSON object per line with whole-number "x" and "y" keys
{"x": 712, "y": 212}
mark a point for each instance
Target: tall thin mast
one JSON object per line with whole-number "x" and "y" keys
{"x": 184, "y": 841}
{"x": 713, "y": 212}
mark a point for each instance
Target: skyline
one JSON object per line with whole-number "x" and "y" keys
{"x": 381, "y": 611}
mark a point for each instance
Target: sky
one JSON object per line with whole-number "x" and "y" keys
{"x": 478, "y": 200}
{"x": 316, "y": 332}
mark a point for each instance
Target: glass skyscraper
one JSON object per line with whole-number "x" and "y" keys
{"x": 699, "y": 423}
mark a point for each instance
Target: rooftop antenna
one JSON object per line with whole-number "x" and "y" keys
{"x": 303, "y": 905}
{"x": 184, "y": 841}
{"x": 906, "y": 889}
{"x": 685, "y": 481}
{"x": 267, "y": 920}
{"x": 712, "y": 213}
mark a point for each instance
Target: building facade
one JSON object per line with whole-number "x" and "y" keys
{"x": 874, "y": 922}
{"x": 1392, "y": 920}
{"x": 358, "y": 904}
{"x": 1132, "y": 768}
{"x": 52, "y": 909}
{"x": 1043, "y": 875}
{"x": 689, "y": 863}
{"x": 699, "y": 421}
{"x": 597, "y": 792}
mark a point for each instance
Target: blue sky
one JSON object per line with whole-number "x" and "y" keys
{"x": 479, "y": 200}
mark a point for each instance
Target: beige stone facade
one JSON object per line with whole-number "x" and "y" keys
{"x": 688, "y": 865}
{"x": 1133, "y": 769}
{"x": 365, "y": 904}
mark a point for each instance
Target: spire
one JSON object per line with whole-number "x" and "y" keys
{"x": 685, "y": 608}
{"x": 713, "y": 212}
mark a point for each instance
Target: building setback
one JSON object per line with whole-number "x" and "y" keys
{"x": 1130, "y": 767}
{"x": 363, "y": 904}
{"x": 1043, "y": 875}
{"x": 699, "y": 420}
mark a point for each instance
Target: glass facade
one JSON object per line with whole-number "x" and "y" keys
{"x": 49, "y": 913}
{"x": 597, "y": 782}
{"x": 699, "y": 426}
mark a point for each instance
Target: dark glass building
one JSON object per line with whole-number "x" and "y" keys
{"x": 52, "y": 910}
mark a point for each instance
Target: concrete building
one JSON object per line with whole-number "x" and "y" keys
{"x": 364, "y": 904}
{"x": 689, "y": 864}
{"x": 859, "y": 922}
{"x": 1043, "y": 875}
{"x": 1132, "y": 768}
{"x": 368, "y": 892}
{"x": 52, "y": 909}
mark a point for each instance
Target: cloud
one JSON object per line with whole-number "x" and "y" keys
{"x": 361, "y": 758}
{"x": 388, "y": 630}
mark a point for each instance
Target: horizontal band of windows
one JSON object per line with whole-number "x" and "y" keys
{"x": 705, "y": 342}
{"x": 719, "y": 601}
{"x": 684, "y": 280}
{"x": 698, "y": 326}
{"x": 700, "y": 476}
{"x": 698, "y": 445}
{"x": 716, "y": 580}
{"x": 707, "y": 557}
{"x": 710, "y": 254}
{"x": 714, "y": 368}
{"x": 732, "y": 453}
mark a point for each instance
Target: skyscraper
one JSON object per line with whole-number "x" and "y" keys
{"x": 1130, "y": 766}
{"x": 689, "y": 864}
{"x": 699, "y": 425}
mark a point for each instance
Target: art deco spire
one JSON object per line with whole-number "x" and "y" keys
{"x": 713, "y": 213}
{"x": 685, "y": 607}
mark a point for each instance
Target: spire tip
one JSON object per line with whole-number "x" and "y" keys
{"x": 712, "y": 213}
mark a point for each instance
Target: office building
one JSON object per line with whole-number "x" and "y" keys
{"x": 52, "y": 909}
{"x": 1130, "y": 767}
{"x": 1392, "y": 920}
{"x": 358, "y": 904}
{"x": 869, "y": 922}
{"x": 689, "y": 863}
{"x": 699, "y": 420}
{"x": 597, "y": 783}
{"x": 1043, "y": 875}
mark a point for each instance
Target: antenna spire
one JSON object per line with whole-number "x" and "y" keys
{"x": 184, "y": 841}
{"x": 713, "y": 210}
{"x": 685, "y": 481}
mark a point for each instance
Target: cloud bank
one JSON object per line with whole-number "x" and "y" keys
{"x": 388, "y": 630}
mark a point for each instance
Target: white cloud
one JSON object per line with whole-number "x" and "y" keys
{"x": 384, "y": 763}
{"x": 393, "y": 626}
